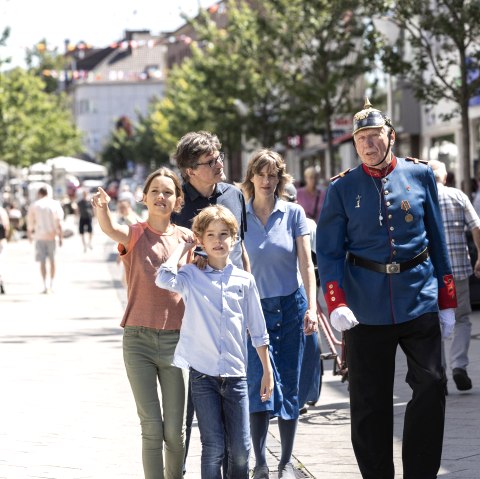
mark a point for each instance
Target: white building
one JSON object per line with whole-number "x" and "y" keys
{"x": 116, "y": 82}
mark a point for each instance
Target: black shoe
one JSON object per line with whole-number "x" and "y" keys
{"x": 2, "y": 289}
{"x": 463, "y": 382}
{"x": 303, "y": 410}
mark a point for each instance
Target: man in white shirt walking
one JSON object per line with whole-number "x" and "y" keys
{"x": 44, "y": 225}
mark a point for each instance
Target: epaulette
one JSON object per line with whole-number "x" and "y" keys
{"x": 416, "y": 160}
{"x": 340, "y": 175}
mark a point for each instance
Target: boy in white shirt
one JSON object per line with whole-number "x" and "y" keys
{"x": 221, "y": 303}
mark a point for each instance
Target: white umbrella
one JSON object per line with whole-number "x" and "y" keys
{"x": 77, "y": 167}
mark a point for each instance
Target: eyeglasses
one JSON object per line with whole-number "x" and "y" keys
{"x": 213, "y": 161}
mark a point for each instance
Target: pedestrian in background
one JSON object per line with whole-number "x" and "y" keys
{"x": 200, "y": 161}
{"x": 213, "y": 341}
{"x": 385, "y": 273}
{"x": 4, "y": 235}
{"x": 85, "y": 218}
{"x": 458, "y": 214}
{"x": 125, "y": 213}
{"x": 311, "y": 196}
{"x": 152, "y": 322}
{"x": 278, "y": 245}
{"x": 44, "y": 225}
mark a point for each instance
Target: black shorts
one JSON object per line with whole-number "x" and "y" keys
{"x": 85, "y": 223}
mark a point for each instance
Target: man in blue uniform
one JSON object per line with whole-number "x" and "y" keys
{"x": 387, "y": 280}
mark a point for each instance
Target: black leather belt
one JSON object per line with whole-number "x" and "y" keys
{"x": 390, "y": 268}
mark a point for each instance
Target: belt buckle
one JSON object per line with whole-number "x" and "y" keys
{"x": 392, "y": 268}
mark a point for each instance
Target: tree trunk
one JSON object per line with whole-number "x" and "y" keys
{"x": 464, "y": 105}
{"x": 331, "y": 149}
{"x": 467, "y": 184}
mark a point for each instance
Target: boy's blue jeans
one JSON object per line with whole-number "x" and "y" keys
{"x": 221, "y": 406}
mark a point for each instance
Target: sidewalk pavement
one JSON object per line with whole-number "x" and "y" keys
{"x": 67, "y": 411}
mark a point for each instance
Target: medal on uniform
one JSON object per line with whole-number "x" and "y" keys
{"x": 406, "y": 207}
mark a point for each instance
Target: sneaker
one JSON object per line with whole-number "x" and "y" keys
{"x": 287, "y": 471}
{"x": 261, "y": 472}
{"x": 462, "y": 381}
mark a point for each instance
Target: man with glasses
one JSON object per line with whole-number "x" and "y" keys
{"x": 200, "y": 161}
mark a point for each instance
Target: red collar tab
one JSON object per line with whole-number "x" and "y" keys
{"x": 377, "y": 173}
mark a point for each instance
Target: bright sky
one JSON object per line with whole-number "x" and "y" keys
{"x": 96, "y": 22}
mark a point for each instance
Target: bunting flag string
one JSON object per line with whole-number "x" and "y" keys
{"x": 218, "y": 8}
{"x": 126, "y": 44}
{"x": 111, "y": 75}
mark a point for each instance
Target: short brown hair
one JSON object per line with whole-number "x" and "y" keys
{"x": 214, "y": 213}
{"x": 192, "y": 146}
{"x": 169, "y": 174}
{"x": 275, "y": 163}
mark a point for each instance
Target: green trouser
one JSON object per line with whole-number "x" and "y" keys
{"x": 148, "y": 355}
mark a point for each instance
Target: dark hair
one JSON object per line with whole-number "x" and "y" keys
{"x": 192, "y": 146}
{"x": 169, "y": 174}
{"x": 275, "y": 163}
{"x": 42, "y": 191}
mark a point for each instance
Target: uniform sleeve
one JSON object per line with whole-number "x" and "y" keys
{"x": 437, "y": 246}
{"x": 330, "y": 248}
{"x": 254, "y": 316}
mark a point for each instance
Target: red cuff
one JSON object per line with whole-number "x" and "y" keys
{"x": 334, "y": 297}
{"x": 447, "y": 295}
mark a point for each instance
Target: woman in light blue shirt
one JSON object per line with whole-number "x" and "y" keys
{"x": 278, "y": 245}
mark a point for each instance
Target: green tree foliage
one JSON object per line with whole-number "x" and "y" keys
{"x": 34, "y": 125}
{"x": 3, "y": 39}
{"x": 149, "y": 148}
{"x": 44, "y": 62}
{"x": 444, "y": 41}
{"x": 290, "y": 63}
{"x": 119, "y": 151}
{"x": 325, "y": 48}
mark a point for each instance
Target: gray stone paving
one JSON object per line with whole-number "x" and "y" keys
{"x": 67, "y": 411}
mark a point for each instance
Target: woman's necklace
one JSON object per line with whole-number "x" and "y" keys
{"x": 262, "y": 212}
{"x": 380, "y": 217}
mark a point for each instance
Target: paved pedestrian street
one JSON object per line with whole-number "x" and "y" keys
{"x": 67, "y": 411}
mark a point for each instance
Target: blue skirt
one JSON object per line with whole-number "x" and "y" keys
{"x": 284, "y": 317}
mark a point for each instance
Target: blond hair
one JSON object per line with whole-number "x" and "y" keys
{"x": 214, "y": 213}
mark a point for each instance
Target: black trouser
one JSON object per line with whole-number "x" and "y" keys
{"x": 371, "y": 370}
